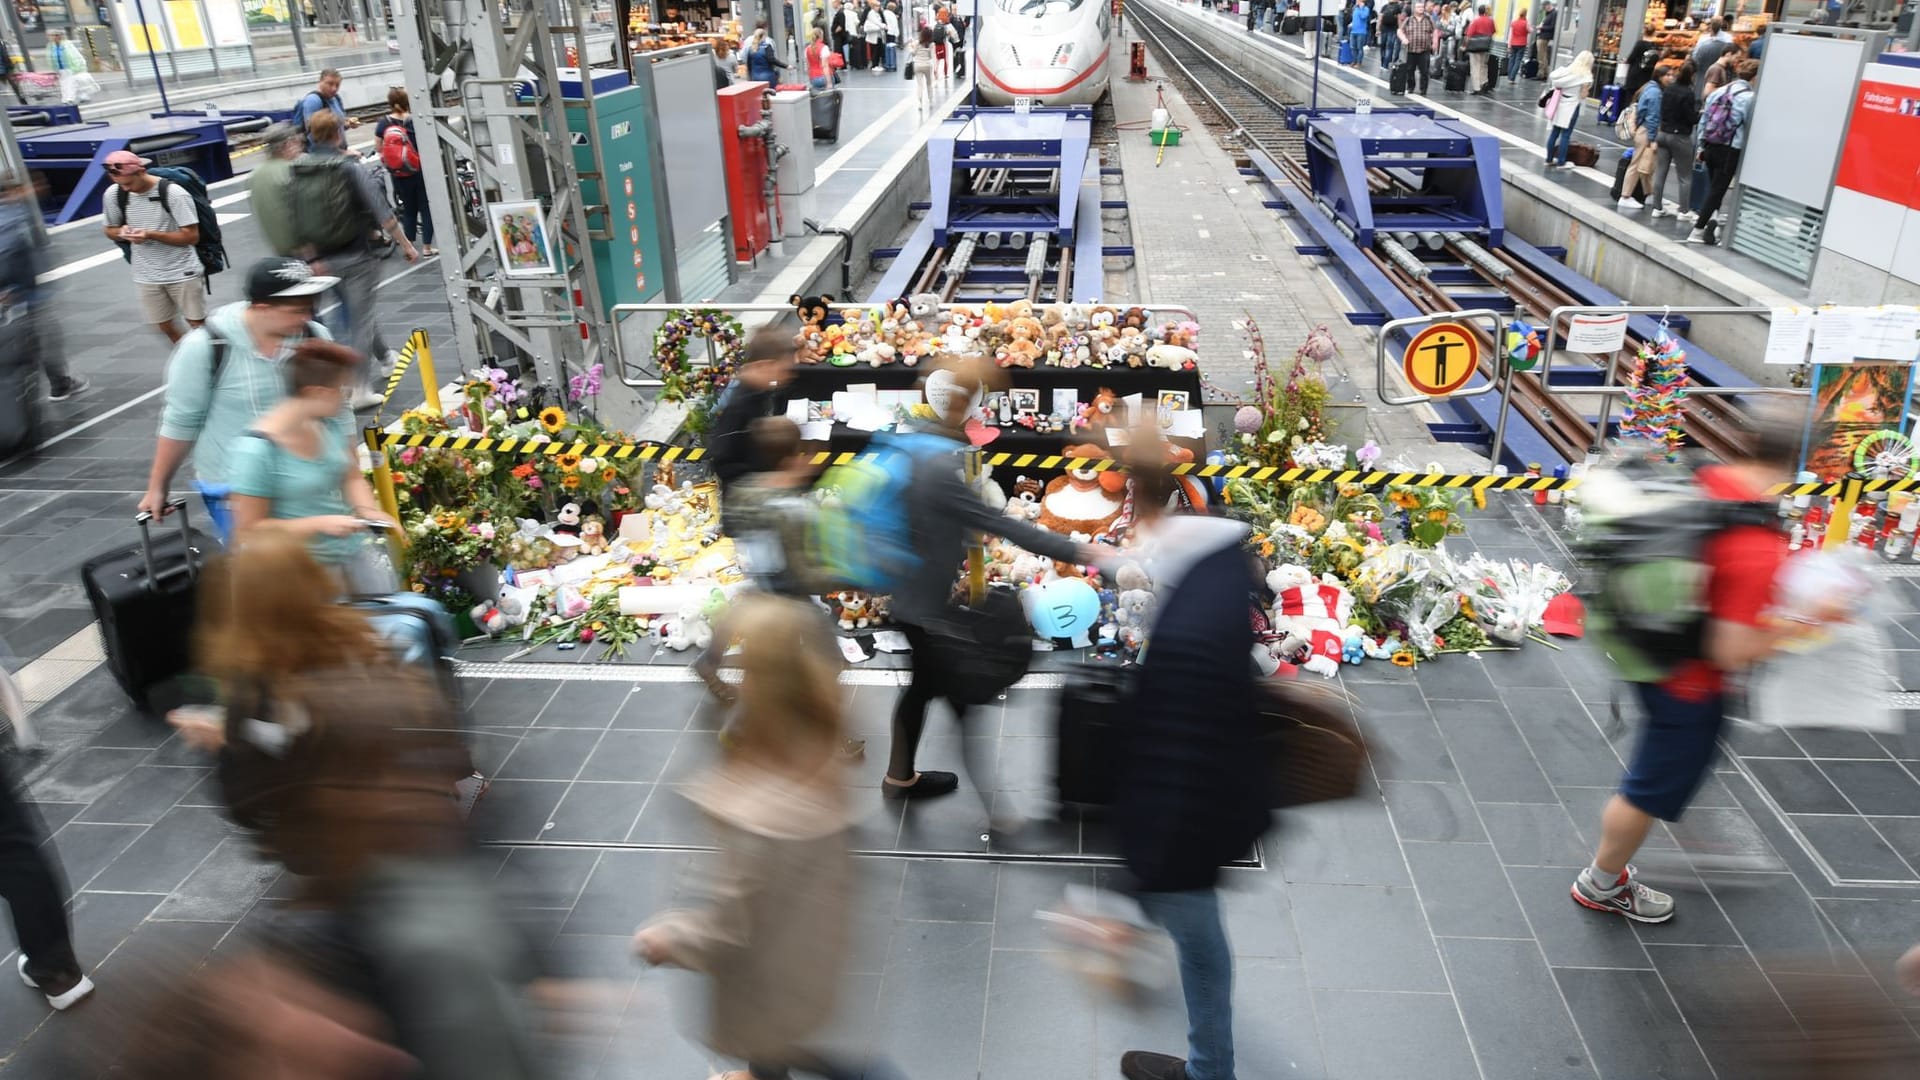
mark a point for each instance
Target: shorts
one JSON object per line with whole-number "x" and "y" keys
{"x": 1676, "y": 749}
{"x": 186, "y": 299}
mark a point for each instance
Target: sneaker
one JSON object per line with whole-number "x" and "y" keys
{"x": 61, "y": 999}
{"x": 1629, "y": 203}
{"x": 366, "y": 398}
{"x": 1147, "y": 1065}
{"x": 1629, "y": 898}
{"x": 928, "y": 784}
{"x": 467, "y": 791}
{"x": 69, "y": 387}
{"x": 1661, "y": 212}
{"x": 1697, "y": 236}
{"x": 1688, "y": 215}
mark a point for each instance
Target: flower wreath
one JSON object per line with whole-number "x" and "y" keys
{"x": 700, "y": 385}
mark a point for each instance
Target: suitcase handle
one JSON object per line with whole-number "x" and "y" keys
{"x": 175, "y": 505}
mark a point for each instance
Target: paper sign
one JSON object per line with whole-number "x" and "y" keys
{"x": 1132, "y": 402}
{"x": 1185, "y": 424}
{"x": 851, "y": 649}
{"x": 816, "y": 431}
{"x": 1787, "y": 336}
{"x": 870, "y": 391}
{"x": 1834, "y": 335}
{"x": 1888, "y": 333}
{"x": 1602, "y": 334}
{"x": 891, "y": 641}
{"x": 797, "y": 411}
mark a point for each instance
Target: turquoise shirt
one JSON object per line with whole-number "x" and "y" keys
{"x": 213, "y": 417}
{"x": 296, "y": 487}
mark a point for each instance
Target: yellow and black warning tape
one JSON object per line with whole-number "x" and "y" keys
{"x": 403, "y": 362}
{"x": 541, "y": 447}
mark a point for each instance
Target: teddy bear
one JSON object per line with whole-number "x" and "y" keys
{"x": 924, "y": 306}
{"x": 1172, "y": 357}
{"x": 1025, "y": 503}
{"x": 878, "y": 354}
{"x": 962, "y": 335}
{"x": 1113, "y": 356}
{"x": 1083, "y": 500}
{"x": 918, "y": 346}
{"x": 1133, "y": 611}
{"x": 1134, "y": 318}
{"x": 813, "y": 310}
{"x": 838, "y": 347}
{"x": 1101, "y": 412}
{"x": 810, "y": 346}
{"x": 1133, "y": 346}
{"x": 897, "y": 322}
{"x": 1103, "y": 325}
{"x": 1310, "y": 615}
{"x": 593, "y": 536}
{"x": 1023, "y": 344}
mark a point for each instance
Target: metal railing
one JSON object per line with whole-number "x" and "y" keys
{"x": 1494, "y": 321}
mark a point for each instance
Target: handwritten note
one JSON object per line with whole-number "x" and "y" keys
{"x": 1787, "y": 336}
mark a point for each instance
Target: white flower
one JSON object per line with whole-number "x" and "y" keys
{"x": 1336, "y": 531}
{"x": 589, "y": 465}
{"x": 483, "y": 466}
{"x": 1303, "y": 423}
{"x": 497, "y": 416}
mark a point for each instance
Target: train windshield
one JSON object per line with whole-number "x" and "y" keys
{"x": 1037, "y": 8}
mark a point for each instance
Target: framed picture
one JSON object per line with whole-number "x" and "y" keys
{"x": 520, "y": 239}
{"x": 1851, "y": 402}
{"x": 1025, "y": 400}
{"x": 1066, "y": 402}
{"x": 1173, "y": 400}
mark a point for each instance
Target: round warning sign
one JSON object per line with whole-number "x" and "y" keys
{"x": 1441, "y": 359}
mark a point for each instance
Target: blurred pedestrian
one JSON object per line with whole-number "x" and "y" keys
{"x": 763, "y": 60}
{"x": 30, "y": 883}
{"x": 65, "y": 61}
{"x": 223, "y": 377}
{"x": 873, "y": 29}
{"x": 819, "y": 61}
{"x": 1686, "y": 709}
{"x": 295, "y": 471}
{"x": 1191, "y": 792}
{"x": 758, "y": 388}
{"x": 1519, "y": 34}
{"x": 267, "y": 187}
{"x": 160, "y": 225}
{"x": 1543, "y": 37}
{"x": 26, "y": 305}
{"x": 774, "y": 934}
{"x": 10, "y": 72}
{"x": 923, "y": 68}
{"x": 400, "y": 153}
{"x": 943, "y": 512}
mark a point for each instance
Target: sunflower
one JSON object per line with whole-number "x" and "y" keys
{"x": 609, "y": 474}
{"x": 1437, "y": 515}
{"x": 570, "y": 481}
{"x": 568, "y": 462}
{"x": 553, "y": 418}
{"x": 1405, "y": 500}
{"x": 1404, "y": 658}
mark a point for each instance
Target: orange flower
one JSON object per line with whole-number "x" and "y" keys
{"x": 608, "y": 474}
{"x": 570, "y": 481}
{"x": 1436, "y": 515}
{"x": 523, "y": 471}
{"x": 1403, "y": 658}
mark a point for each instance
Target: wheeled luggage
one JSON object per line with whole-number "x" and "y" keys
{"x": 1531, "y": 69}
{"x": 1457, "y": 75}
{"x": 1610, "y": 105}
{"x": 1290, "y": 24}
{"x": 892, "y": 56}
{"x": 1346, "y": 50}
{"x": 1093, "y": 699}
{"x": 826, "y": 116}
{"x": 1620, "y": 176}
{"x": 1397, "y": 80}
{"x": 418, "y": 630}
{"x": 144, "y": 599}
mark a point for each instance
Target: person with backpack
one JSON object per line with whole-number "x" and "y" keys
{"x": 160, "y": 225}
{"x": 399, "y": 151}
{"x": 23, "y": 258}
{"x": 1679, "y": 115}
{"x": 268, "y": 183}
{"x": 322, "y": 98}
{"x": 1390, "y": 15}
{"x": 225, "y": 375}
{"x": 10, "y": 73}
{"x": 1643, "y": 123}
{"x": 336, "y": 209}
{"x": 1680, "y": 675}
{"x": 1722, "y": 135}
{"x": 936, "y": 513}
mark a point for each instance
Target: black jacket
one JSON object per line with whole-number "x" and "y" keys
{"x": 1679, "y": 109}
{"x": 730, "y": 444}
{"x": 1190, "y": 777}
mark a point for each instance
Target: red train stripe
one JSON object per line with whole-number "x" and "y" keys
{"x": 1046, "y": 91}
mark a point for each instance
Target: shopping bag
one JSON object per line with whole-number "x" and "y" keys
{"x": 1844, "y": 683}
{"x": 84, "y": 87}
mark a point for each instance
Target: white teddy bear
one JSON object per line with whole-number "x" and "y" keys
{"x": 1133, "y": 611}
{"x": 1310, "y": 616}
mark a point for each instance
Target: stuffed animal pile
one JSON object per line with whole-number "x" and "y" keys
{"x": 914, "y": 329}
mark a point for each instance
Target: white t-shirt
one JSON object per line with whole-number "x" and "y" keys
{"x": 155, "y": 263}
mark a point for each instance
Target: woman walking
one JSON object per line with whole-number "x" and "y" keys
{"x": 1563, "y": 111}
{"x": 923, "y": 69}
{"x": 819, "y": 62}
{"x": 1679, "y": 112}
{"x": 1646, "y": 131}
{"x": 409, "y": 186}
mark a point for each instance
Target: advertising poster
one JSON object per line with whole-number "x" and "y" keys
{"x": 228, "y": 20}
{"x": 1882, "y": 155}
{"x": 183, "y": 20}
{"x": 1849, "y": 403}
{"x": 142, "y": 37}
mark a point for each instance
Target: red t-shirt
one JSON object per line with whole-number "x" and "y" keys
{"x": 1481, "y": 26}
{"x": 1741, "y": 565}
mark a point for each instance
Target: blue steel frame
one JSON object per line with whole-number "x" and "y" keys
{"x": 71, "y": 157}
{"x": 989, "y": 138}
{"x": 1454, "y": 171}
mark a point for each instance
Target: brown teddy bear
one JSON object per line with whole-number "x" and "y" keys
{"x": 813, "y": 310}
{"x": 1084, "y": 500}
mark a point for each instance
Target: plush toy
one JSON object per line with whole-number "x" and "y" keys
{"x": 878, "y": 354}
{"x": 1100, "y": 412}
{"x": 1115, "y": 356}
{"x": 924, "y": 306}
{"x": 1355, "y": 649}
{"x": 1063, "y": 608}
{"x": 1083, "y": 500}
{"x": 813, "y": 310}
{"x": 918, "y": 346}
{"x": 488, "y": 617}
{"x": 593, "y": 536}
{"x": 1103, "y": 324}
{"x": 568, "y": 519}
{"x": 1172, "y": 357}
{"x": 849, "y": 609}
{"x": 1310, "y": 616}
{"x": 962, "y": 335}
{"x": 1134, "y": 614}
{"x": 1025, "y": 503}
{"x": 838, "y": 346}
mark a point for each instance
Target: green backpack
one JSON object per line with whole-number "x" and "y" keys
{"x": 327, "y": 214}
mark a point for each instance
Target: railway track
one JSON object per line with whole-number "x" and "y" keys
{"x": 1239, "y": 112}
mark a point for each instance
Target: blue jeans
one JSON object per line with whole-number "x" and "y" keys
{"x": 1359, "y": 47}
{"x": 1516, "y": 62}
{"x": 819, "y": 83}
{"x": 1192, "y": 920}
{"x": 1389, "y": 51}
{"x": 1562, "y": 137}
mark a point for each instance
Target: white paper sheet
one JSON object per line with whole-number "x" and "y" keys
{"x": 1132, "y": 402}
{"x": 1888, "y": 333}
{"x": 797, "y": 411}
{"x": 1835, "y": 335}
{"x": 851, "y": 649}
{"x": 816, "y": 431}
{"x": 1787, "y": 336}
{"x": 1186, "y": 424}
{"x": 891, "y": 641}
{"x": 1596, "y": 333}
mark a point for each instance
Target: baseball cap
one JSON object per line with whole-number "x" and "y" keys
{"x": 119, "y": 160}
{"x": 278, "y": 277}
{"x": 1565, "y": 616}
{"x": 280, "y": 131}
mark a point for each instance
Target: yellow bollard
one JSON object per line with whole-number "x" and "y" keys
{"x": 976, "y": 552}
{"x": 383, "y": 487}
{"x": 1840, "y": 520}
{"x": 428, "y": 381}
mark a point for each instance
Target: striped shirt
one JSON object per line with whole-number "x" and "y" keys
{"x": 155, "y": 263}
{"x": 1419, "y": 31}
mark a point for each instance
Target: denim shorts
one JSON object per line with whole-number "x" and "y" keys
{"x": 1676, "y": 749}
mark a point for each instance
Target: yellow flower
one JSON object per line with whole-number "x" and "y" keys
{"x": 1348, "y": 491}
{"x": 1436, "y": 515}
{"x": 553, "y": 418}
{"x": 1404, "y": 658}
{"x": 1266, "y": 550}
{"x": 568, "y": 462}
{"x": 419, "y": 587}
{"x": 609, "y": 474}
{"x": 570, "y": 481}
{"x": 1307, "y": 518}
{"x": 1405, "y": 500}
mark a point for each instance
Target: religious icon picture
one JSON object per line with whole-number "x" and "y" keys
{"x": 520, "y": 239}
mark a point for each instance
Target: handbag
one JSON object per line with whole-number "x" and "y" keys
{"x": 1480, "y": 43}
{"x": 1312, "y": 746}
{"x": 1550, "y": 101}
{"x": 1584, "y": 154}
{"x": 982, "y": 648}
{"x": 907, "y": 68}
{"x": 835, "y": 61}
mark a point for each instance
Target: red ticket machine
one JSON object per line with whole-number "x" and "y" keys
{"x": 741, "y": 107}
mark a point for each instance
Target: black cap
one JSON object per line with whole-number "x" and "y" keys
{"x": 279, "y": 277}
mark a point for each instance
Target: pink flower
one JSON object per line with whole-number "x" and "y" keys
{"x": 410, "y": 455}
{"x": 535, "y": 483}
{"x": 1373, "y": 532}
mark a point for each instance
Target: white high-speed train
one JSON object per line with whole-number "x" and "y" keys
{"x": 1053, "y": 51}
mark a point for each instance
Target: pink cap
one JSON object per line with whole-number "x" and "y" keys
{"x": 120, "y": 158}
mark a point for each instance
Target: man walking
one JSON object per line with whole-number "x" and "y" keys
{"x": 158, "y": 222}
{"x": 1543, "y": 37}
{"x": 267, "y": 187}
{"x": 323, "y": 98}
{"x": 1686, "y": 709}
{"x": 348, "y": 254}
{"x": 1421, "y": 36}
{"x": 1188, "y": 775}
{"x": 1390, "y": 15}
{"x": 24, "y": 307}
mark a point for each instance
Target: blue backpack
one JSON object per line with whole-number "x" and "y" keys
{"x": 861, "y": 536}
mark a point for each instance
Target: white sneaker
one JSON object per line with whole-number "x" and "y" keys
{"x": 1688, "y": 215}
{"x": 1629, "y": 203}
{"x": 61, "y": 1001}
{"x": 366, "y": 398}
{"x": 1661, "y": 213}
{"x": 1697, "y": 236}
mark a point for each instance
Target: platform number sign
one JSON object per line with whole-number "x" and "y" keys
{"x": 1022, "y": 105}
{"x": 1441, "y": 359}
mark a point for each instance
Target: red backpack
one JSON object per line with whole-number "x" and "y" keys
{"x": 397, "y": 152}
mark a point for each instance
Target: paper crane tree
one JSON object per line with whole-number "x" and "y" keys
{"x": 1653, "y": 396}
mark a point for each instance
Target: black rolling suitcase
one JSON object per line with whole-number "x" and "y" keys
{"x": 1457, "y": 72}
{"x": 1290, "y": 24}
{"x": 1620, "y": 175}
{"x": 144, "y": 598}
{"x": 826, "y": 116}
{"x": 1093, "y": 702}
{"x": 1397, "y": 80}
